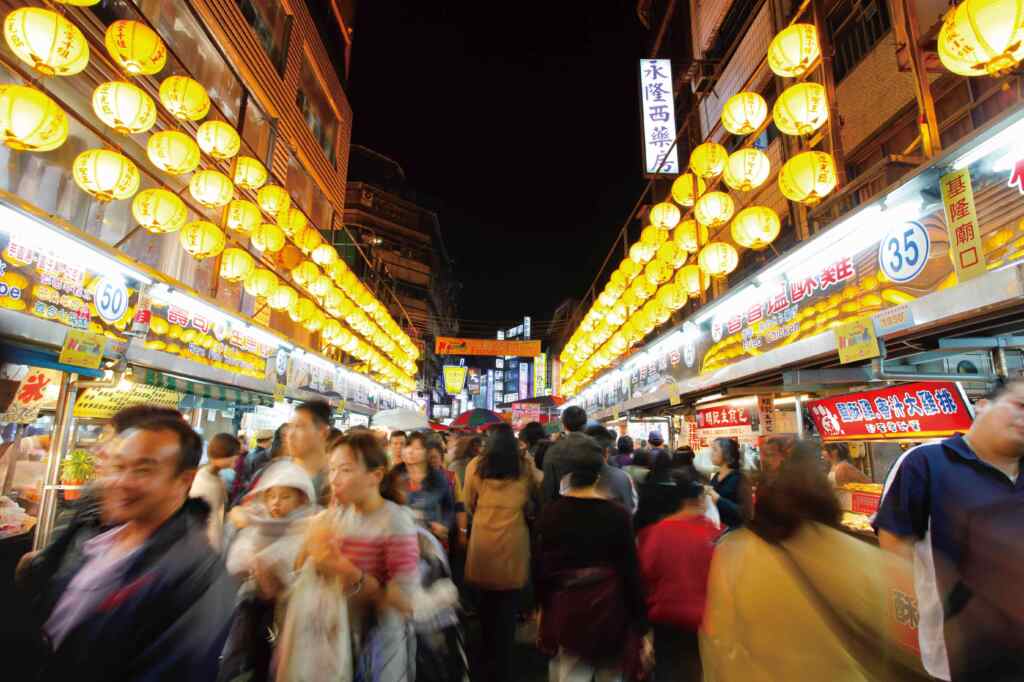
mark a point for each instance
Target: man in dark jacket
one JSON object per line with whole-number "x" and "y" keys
{"x": 147, "y": 599}
{"x": 555, "y": 459}
{"x": 616, "y": 483}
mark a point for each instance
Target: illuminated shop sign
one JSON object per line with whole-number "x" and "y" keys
{"x": 659, "y": 114}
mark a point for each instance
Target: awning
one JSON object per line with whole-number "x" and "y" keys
{"x": 47, "y": 359}
{"x": 226, "y": 394}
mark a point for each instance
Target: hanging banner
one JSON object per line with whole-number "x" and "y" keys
{"x": 926, "y": 409}
{"x": 30, "y": 396}
{"x": 454, "y": 379}
{"x": 540, "y": 374}
{"x": 962, "y": 225}
{"x": 658, "y": 109}
{"x": 856, "y": 341}
{"x": 766, "y": 413}
{"x": 446, "y": 345}
{"x": 473, "y": 381}
{"x": 82, "y": 349}
{"x": 723, "y": 416}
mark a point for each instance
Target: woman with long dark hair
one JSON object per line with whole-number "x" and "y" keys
{"x": 466, "y": 448}
{"x": 729, "y": 488}
{"x": 500, "y": 485}
{"x": 841, "y": 469}
{"x": 426, "y": 489}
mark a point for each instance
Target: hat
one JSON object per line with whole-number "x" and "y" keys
{"x": 654, "y": 438}
{"x": 265, "y": 434}
{"x": 583, "y": 455}
{"x": 285, "y": 472}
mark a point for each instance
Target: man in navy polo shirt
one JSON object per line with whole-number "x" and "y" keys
{"x": 933, "y": 502}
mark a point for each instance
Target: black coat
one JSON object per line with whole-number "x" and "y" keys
{"x": 733, "y": 499}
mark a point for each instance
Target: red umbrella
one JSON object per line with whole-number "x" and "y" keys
{"x": 475, "y": 419}
{"x": 437, "y": 426}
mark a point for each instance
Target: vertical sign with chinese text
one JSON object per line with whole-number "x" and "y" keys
{"x": 962, "y": 224}
{"x": 657, "y": 105}
{"x": 540, "y": 374}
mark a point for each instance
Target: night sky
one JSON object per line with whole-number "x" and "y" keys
{"x": 522, "y": 121}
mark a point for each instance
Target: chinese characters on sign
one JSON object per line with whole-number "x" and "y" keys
{"x": 658, "y": 110}
{"x": 722, "y": 416}
{"x": 912, "y": 411}
{"x": 962, "y": 224}
{"x": 454, "y": 379}
{"x": 445, "y": 345}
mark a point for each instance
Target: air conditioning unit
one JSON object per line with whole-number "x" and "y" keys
{"x": 703, "y": 78}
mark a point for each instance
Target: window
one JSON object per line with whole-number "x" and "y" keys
{"x": 258, "y": 130}
{"x": 271, "y": 24}
{"x": 307, "y": 196}
{"x": 317, "y": 111}
{"x": 856, "y": 26}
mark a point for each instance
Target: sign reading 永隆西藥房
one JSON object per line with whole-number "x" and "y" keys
{"x": 657, "y": 105}
{"x": 927, "y": 409}
{"x": 962, "y": 225}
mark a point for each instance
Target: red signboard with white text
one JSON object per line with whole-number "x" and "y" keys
{"x": 722, "y": 416}
{"x": 926, "y": 409}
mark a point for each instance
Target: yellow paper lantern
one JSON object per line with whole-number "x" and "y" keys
{"x": 693, "y": 280}
{"x": 641, "y": 253}
{"x": 744, "y": 113}
{"x": 980, "y": 37}
{"x": 159, "y": 211}
{"x": 284, "y": 297}
{"x": 31, "y": 121}
{"x": 808, "y": 177}
{"x": 657, "y": 311}
{"x": 273, "y": 199}
{"x": 718, "y": 259}
{"x": 793, "y": 51}
{"x": 124, "y": 107}
{"x": 642, "y": 289}
{"x": 670, "y": 254}
{"x": 292, "y": 221}
{"x": 708, "y": 160}
{"x": 320, "y": 285}
{"x": 747, "y": 169}
{"x": 307, "y": 239}
{"x": 334, "y": 300}
{"x": 211, "y": 188}
{"x": 261, "y": 283}
{"x": 249, "y": 173}
{"x": 629, "y": 269}
{"x": 336, "y": 269}
{"x": 236, "y": 264}
{"x": 218, "y": 139}
{"x": 105, "y": 174}
{"x": 268, "y": 237}
{"x": 242, "y": 216}
{"x": 714, "y": 209}
{"x": 135, "y": 47}
{"x": 305, "y": 273}
{"x": 755, "y": 227}
{"x": 46, "y": 41}
{"x": 686, "y": 188}
{"x": 185, "y": 98}
{"x": 315, "y": 321}
{"x": 202, "y": 239}
{"x": 801, "y": 109}
{"x": 331, "y": 331}
{"x": 652, "y": 236}
{"x": 665, "y": 215}
{"x": 658, "y": 272}
{"x": 173, "y": 152}
{"x": 325, "y": 255}
{"x": 301, "y": 310}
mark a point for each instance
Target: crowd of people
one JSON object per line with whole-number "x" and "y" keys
{"x": 361, "y": 556}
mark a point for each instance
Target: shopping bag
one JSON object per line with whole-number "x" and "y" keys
{"x": 315, "y": 641}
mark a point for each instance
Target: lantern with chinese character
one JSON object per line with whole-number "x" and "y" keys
{"x": 801, "y": 109}
{"x": 652, "y": 236}
{"x": 693, "y": 280}
{"x": 106, "y": 175}
{"x": 249, "y": 173}
{"x": 336, "y": 269}
{"x": 202, "y": 239}
{"x": 690, "y": 235}
{"x": 334, "y": 300}
{"x": 744, "y": 113}
{"x": 236, "y": 264}
{"x": 641, "y": 253}
{"x": 708, "y": 160}
{"x": 331, "y": 331}
{"x": 658, "y": 272}
{"x": 273, "y": 199}
{"x": 657, "y": 310}
{"x": 284, "y": 297}
{"x": 173, "y": 152}
{"x": 46, "y": 41}
{"x": 218, "y": 139}
{"x": 124, "y": 107}
{"x": 185, "y": 98}
{"x": 747, "y": 169}
{"x": 794, "y": 50}
{"x": 686, "y": 188}
{"x": 808, "y": 177}
{"x": 211, "y": 188}
{"x": 314, "y": 322}
{"x": 670, "y": 254}
{"x": 642, "y": 289}
{"x": 320, "y": 285}
{"x": 755, "y": 227}
{"x": 159, "y": 211}
{"x": 307, "y": 239}
{"x": 268, "y": 237}
{"x": 135, "y": 48}
{"x": 980, "y": 37}
{"x": 261, "y": 283}
{"x": 718, "y": 259}
{"x": 305, "y": 273}
{"x": 665, "y": 215}
{"x": 325, "y": 255}
{"x": 292, "y": 220}
{"x": 31, "y": 121}
{"x": 302, "y": 309}
{"x": 714, "y": 209}
{"x": 629, "y": 269}
{"x": 242, "y": 216}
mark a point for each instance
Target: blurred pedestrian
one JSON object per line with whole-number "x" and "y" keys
{"x": 682, "y": 460}
{"x": 501, "y": 489}
{"x": 466, "y": 449}
{"x": 396, "y": 445}
{"x": 659, "y": 494}
{"x": 640, "y": 466}
{"x": 307, "y": 443}
{"x": 624, "y": 455}
{"x": 574, "y": 419}
{"x": 588, "y": 577}
{"x": 934, "y": 495}
{"x": 221, "y": 453}
{"x": 426, "y": 488}
{"x": 841, "y": 469}
{"x": 729, "y": 489}
{"x": 614, "y": 483}
{"x": 148, "y": 598}
{"x": 792, "y": 597}
{"x": 675, "y": 558}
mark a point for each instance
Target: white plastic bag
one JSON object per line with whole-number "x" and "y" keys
{"x": 711, "y": 511}
{"x": 315, "y": 642}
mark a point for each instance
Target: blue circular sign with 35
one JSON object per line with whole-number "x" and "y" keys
{"x": 904, "y": 251}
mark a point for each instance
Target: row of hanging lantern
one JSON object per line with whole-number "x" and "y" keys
{"x": 31, "y": 121}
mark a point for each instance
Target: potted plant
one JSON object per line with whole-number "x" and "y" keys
{"x": 78, "y": 468}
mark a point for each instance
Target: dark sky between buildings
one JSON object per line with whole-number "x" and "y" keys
{"x": 521, "y": 121}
